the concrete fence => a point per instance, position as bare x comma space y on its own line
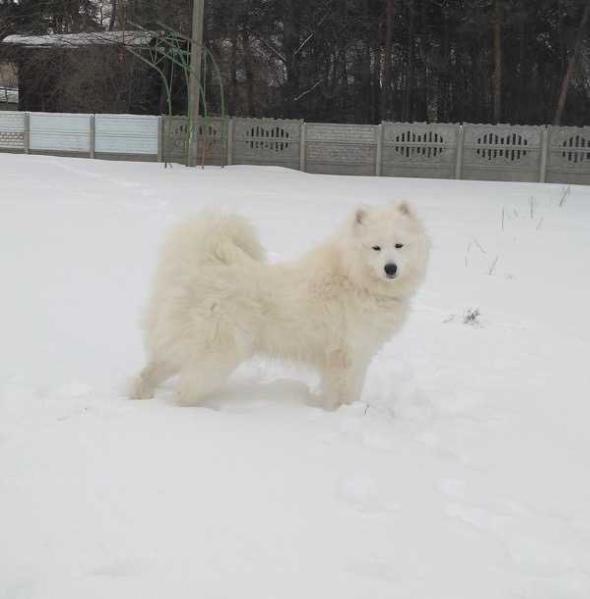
468, 151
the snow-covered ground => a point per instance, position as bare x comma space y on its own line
464, 473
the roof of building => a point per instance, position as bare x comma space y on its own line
75, 40
8, 95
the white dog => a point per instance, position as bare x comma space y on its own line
217, 302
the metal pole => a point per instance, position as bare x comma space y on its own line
302, 147
544, 153
379, 154
195, 77
459, 152
230, 141
92, 150
27, 136
160, 156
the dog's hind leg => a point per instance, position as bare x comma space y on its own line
204, 375
153, 375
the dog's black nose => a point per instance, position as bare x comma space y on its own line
390, 269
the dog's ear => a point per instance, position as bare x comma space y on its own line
405, 209
360, 216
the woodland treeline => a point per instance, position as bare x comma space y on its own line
364, 61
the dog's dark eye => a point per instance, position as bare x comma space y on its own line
399, 246
377, 248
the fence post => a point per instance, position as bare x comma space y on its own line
230, 141
379, 153
544, 153
92, 136
302, 148
160, 134
459, 152
27, 133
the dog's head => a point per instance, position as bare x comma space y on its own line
390, 248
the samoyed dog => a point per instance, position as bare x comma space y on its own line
217, 302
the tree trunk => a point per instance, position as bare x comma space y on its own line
113, 18
386, 95
233, 81
291, 41
571, 64
407, 112
377, 69
445, 101
497, 76
249, 74
525, 78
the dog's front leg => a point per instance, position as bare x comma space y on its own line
342, 382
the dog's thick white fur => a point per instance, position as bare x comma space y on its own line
216, 302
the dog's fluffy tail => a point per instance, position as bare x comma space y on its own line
216, 239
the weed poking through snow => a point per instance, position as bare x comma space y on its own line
471, 317
566, 192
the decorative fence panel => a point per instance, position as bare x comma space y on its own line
569, 155
341, 149
60, 133
211, 140
12, 131
119, 136
502, 153
174, 139
488, 152
419, 150
266, 142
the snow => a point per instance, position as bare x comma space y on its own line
464, 471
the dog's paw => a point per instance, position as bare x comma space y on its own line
139, 390
328, 403
186, 400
